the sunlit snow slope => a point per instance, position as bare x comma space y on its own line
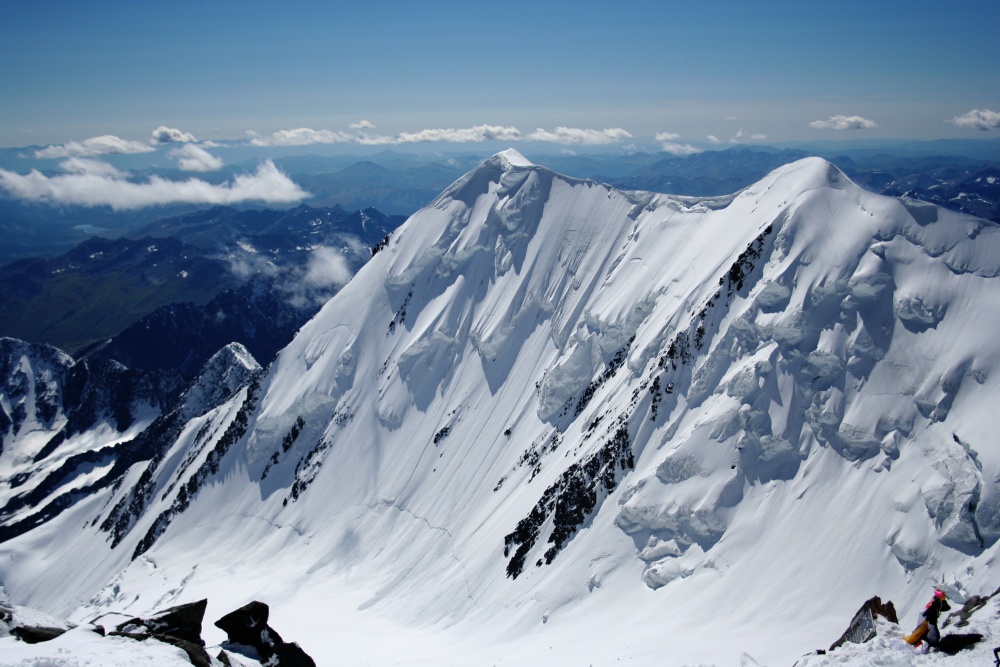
555, 423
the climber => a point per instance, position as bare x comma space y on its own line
928, 628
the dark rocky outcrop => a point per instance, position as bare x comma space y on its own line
182, 622
250, 635
953, 643
179, 626
862, 627
34, 634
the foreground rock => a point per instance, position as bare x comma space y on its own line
179, 626
862, 627
251, 636
141, 639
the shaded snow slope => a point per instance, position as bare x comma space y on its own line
622, 425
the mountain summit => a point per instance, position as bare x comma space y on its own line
618, 424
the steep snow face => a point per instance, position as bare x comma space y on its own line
548, 411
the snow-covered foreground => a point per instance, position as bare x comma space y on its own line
554, 423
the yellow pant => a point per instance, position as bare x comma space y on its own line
917, 635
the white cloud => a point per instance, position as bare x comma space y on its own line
843, 123
87, 184
82, 165
679, 149
168, 135
576, 135
362, 125
478, 133
670, 145
303, 136
712, 139
102, 145
195, 158
742, 136
978, 119
474, 134
667, 136
327, 268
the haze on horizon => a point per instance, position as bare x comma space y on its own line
567, 73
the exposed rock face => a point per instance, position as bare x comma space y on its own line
862, 626
31, 628
182, 622
179, 626
31, 634
247, 628
249, 634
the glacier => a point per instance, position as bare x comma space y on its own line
551, 421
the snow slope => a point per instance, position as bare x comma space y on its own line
555, 422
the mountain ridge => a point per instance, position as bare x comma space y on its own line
547, 405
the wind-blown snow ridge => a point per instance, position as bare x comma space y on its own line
512, 158
547, 406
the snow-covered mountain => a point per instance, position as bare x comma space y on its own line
555, 423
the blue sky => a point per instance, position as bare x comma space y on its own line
692, 72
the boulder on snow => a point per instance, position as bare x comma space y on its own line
29, 625
34, 634
182, 622
179, 626
247, 628
862, 627
953, 643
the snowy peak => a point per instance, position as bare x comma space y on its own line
808, 174
226, 372
547, 403
512, 159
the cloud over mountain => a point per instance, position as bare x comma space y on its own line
669, 144
840, 122
167, 135
742, 136
92, 183
576, 135
303, 136
82, 165
195, 158
102, 145
978, 119
475, 134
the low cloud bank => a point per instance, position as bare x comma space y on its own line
195, 158
978, 119
327, 268
303, 136
742, 136
95, 183
169, 135
103, 145
843, 123
669, 144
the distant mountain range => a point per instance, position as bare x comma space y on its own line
195, 267
397, 183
